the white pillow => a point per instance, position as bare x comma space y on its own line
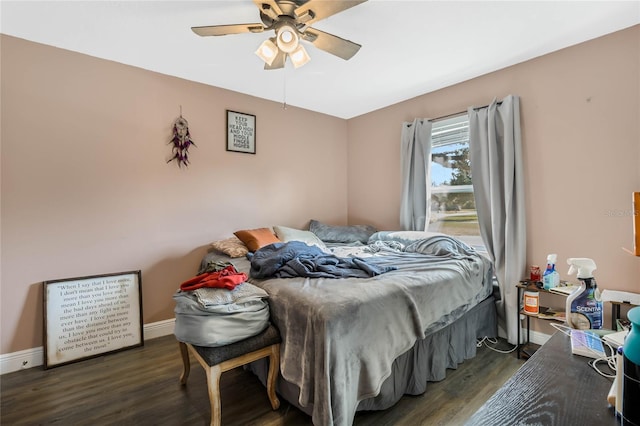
291, 234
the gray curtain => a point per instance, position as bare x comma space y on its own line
415, 162
496, 165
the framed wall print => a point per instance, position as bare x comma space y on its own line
635, 212
241, 132
90, 316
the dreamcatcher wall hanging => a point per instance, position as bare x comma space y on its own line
181, 142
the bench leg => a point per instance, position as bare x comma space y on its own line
213, 380
214, 372
186, 364
274, 368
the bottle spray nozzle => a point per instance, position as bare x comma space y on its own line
583, 265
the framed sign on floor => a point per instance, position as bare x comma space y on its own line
89, 316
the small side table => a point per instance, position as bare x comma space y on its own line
615, 312
526, 285
523, 286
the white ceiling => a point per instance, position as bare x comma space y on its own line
408, 47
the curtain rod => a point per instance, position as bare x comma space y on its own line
459, 113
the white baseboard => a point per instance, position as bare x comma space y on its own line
159, 329
21, 360
537, 337
34, 357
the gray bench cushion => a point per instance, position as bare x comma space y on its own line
216, 355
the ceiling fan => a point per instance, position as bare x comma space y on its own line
291, 20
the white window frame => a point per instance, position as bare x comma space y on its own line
447, 131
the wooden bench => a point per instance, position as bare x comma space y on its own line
216, 360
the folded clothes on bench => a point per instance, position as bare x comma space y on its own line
227, 278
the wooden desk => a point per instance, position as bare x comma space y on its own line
554, 387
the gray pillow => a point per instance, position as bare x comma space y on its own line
342, 234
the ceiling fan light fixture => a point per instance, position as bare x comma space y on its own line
299, 56
287, 38
267, 51
291, 21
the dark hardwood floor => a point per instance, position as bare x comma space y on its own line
141, 386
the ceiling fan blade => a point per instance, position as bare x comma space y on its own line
278, 61
315, 10
220, 30
330, 43
269, 8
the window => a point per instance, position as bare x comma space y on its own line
453, 207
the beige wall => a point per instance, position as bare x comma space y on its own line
580, 110
86, 190
85, 187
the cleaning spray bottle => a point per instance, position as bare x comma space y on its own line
551, 277
584, 305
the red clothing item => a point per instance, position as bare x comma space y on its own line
227, 278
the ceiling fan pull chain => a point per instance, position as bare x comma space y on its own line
284, 87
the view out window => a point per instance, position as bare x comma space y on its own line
453, 208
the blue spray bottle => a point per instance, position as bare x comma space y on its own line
551, 277
584, 305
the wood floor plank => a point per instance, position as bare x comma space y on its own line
141, 386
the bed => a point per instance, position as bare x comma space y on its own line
351, 344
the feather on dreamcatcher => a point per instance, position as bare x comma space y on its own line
181, 142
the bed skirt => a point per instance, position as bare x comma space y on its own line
426, 361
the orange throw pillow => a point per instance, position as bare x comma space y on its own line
256, 238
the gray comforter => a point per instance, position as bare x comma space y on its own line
340, 336
297, 259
